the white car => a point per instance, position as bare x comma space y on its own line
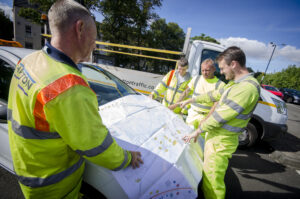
171, 169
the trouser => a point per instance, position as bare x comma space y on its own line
217, 151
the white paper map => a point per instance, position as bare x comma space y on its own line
171, 169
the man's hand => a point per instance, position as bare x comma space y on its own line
186, 102
173, 106
136, 159
194, 135
151, 96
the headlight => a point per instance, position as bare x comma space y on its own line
296, 97
280, 105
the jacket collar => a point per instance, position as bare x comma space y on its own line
59, 56
243, 78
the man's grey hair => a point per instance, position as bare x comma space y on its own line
64, 13
209, 62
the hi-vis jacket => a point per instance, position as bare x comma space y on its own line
199, 85
53, 124
173, 91
235, 107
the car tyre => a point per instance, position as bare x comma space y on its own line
248, 137
289, 100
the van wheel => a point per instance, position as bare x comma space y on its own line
248, 137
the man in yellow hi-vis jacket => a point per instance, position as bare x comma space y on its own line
53, 117
201, 84
232, 114
173, 84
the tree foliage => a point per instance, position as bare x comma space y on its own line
131, 22
167, 36
6, 31
38, 7
127, 22
287, 78
203, 37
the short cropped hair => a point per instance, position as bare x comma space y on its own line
64, 13
209, 61
233, 53
183, 62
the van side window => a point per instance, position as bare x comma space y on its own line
6, 72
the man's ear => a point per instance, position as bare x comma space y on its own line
79, 26
233, 64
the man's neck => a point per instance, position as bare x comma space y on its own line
65, 47
241, 73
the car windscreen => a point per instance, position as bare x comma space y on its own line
106, 86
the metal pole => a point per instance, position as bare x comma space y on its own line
45, 31
187, 40
268, 62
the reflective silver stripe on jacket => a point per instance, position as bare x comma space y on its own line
196, 82
218, 118
211, 97
201, 106
171, 88
222, 91
218, 84
99, 149
196, 94
123, 163
164, 84
29, 132
156, 92
40, 182
174, 89
233, 128
233, 105
168, 102
244, 116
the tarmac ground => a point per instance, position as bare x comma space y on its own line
287, 147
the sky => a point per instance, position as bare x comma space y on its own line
249, 24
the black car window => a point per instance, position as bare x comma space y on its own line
106, 86
6, 72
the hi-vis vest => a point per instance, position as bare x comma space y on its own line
199, 85
172, 91
235, 107
53, 124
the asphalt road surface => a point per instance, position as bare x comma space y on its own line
252, 173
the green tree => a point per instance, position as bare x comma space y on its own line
203, 37
37, 7
168, 36
287, 78
127, 22
6, 31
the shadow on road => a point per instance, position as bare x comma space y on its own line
248, 168
287, 143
